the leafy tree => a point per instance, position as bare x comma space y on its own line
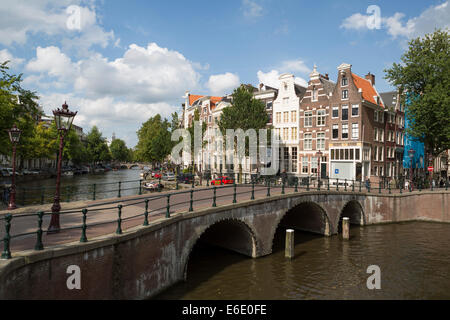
119, 150
175, 122
17, 106
154, 143
96, 149
245, 113
424, 75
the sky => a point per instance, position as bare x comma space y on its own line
119, 63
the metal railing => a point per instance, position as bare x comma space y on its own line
163, 205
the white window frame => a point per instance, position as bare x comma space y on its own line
321, 114
335, 108
309, 139
309, 118
357, 107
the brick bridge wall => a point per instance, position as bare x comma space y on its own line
146, 260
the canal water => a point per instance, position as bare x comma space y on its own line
80, 187
413, 257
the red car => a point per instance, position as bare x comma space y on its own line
222, 180
157, 175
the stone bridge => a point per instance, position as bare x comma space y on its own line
143, 261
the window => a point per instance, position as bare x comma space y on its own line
346, 154
380, 151
344, 81
376, 171
308, 141
356, 154
270, 117
308, 119
269, 104
210, 119
375, 134
332, 154
286, 116
335, 113
381, 135
314, 165
355, 131
344, 113
304, 164
375, 153
351, 154
320, 141
277, 132
381, 117
355, 110
345, 131
278, 117
344, 94
294, 159
315, 94
320, 117
294, 116
375, 115
286, 158
286, 101
294, 133
204, 109
335, 131
285, 133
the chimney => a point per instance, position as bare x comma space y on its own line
261, 85
326, 76
371, 78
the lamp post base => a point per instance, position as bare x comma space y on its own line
12, 206
54, 222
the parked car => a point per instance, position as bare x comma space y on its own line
153, 186
169, 176
222, 180
156, 175
185, 178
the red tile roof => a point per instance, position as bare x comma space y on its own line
195, 97
368, 91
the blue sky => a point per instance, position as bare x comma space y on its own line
118, 63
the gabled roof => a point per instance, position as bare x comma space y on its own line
389, 98
193, 98
299, 90
368, 91
328, 85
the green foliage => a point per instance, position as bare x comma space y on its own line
424, 75
154, 140
17, 106
119, 150
96, 148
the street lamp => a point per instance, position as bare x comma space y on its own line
319, 155
63, 120
411, 156
14, 137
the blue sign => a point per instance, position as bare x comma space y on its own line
336, 171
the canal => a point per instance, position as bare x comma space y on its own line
80, 187
413, 258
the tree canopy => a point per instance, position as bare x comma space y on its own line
96, 148
119, 150
424, 77
154, 143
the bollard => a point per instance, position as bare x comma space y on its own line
168, 206
214, 197
84, 227
307, 184
191, 207
178, 188
337, 184
146, 213
359, 185
93, 198
389, 188
253, 191
6, 254
118, 196
345, 228
289, 245
328, 184
379, 187
345, 184
234, 192
268, 187
119, 220
140, 186
353, 186
193, 182
39, 245
318, 185
296, 186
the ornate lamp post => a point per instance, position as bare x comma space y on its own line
63, 120
411, 156
14, 137
319, 156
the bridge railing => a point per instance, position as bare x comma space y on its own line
26, 231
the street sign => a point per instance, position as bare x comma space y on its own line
430, 169
336, 171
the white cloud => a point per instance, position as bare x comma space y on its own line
251, 9
434, 17
221, 84
22, 18
5, 55
53, 62
271, 79
294, 66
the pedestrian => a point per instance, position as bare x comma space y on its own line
367, 183
433, 183
407, 185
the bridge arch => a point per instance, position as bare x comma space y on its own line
354, 211
232, 234
304, 216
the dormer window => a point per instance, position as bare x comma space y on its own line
344, 94
315, 94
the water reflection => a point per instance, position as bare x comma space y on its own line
413, 258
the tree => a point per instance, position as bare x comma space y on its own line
17, 106
96, 149
424, 77
119, 150
154, 143
245, 113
